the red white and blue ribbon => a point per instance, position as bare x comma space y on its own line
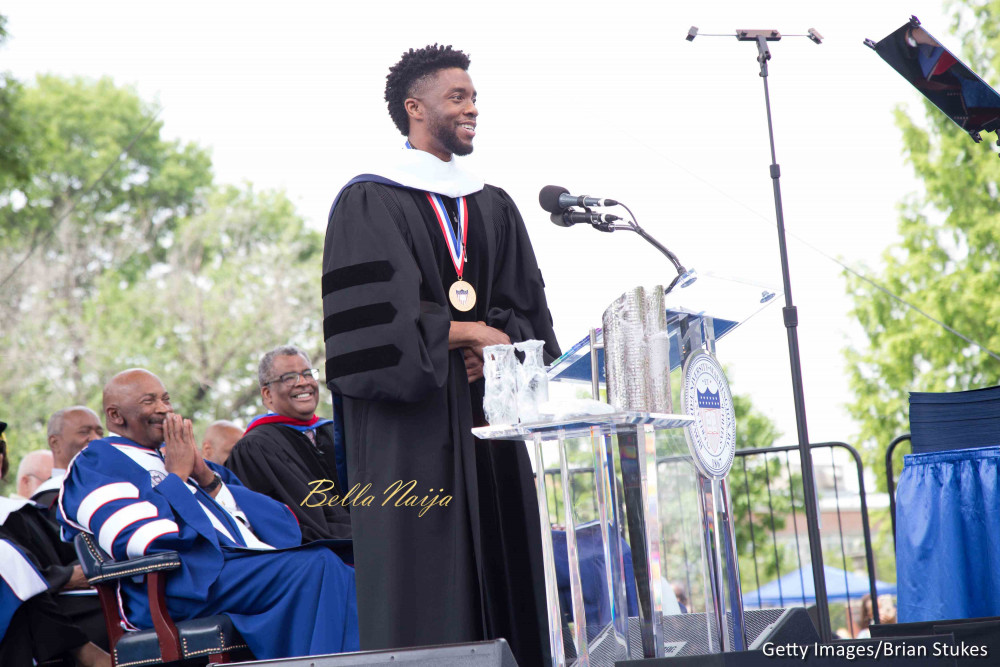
297, 424
455, 241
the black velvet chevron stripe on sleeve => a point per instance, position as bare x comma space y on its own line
368, 359
358, 318
379, 271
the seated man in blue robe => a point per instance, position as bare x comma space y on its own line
592, 577
146, 490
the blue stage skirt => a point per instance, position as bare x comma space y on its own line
948, 535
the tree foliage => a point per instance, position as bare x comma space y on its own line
88, 209
766, 491
238, 279
15, 157
117, 250
946, 263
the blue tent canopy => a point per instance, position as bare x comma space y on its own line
797, 588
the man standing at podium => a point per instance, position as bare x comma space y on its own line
424, 265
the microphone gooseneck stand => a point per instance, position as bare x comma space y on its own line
560, 203
684, 276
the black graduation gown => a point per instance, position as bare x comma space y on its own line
71, 620
280, 462
40, 631
30, 528
472, 569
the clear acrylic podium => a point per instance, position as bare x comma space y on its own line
613, 637
610, 642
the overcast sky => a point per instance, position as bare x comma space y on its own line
603, 98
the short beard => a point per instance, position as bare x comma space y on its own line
457, 148
449, 140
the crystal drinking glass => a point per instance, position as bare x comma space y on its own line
500, 372
532, 380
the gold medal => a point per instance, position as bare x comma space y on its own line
462, 296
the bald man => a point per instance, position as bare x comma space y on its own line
147, 490
69, 431
220, 437
35, 468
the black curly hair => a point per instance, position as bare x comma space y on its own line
415, 65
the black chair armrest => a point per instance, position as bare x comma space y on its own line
99, 567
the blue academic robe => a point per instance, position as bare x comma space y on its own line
20, 580
134, 509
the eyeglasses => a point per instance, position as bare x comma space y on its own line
292, 378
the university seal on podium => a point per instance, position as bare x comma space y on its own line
705, 396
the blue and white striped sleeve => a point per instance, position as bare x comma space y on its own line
20, 580
108, 496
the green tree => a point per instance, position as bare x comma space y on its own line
104, 177
766, 491
15, 156
238, 279
127, 255
104, 192
945, 263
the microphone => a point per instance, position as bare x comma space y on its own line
553, 199
569, 218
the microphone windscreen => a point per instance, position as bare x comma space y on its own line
548, 198
559, 219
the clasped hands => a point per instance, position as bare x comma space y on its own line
180, 453
472, 337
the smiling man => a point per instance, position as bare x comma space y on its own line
146, 490
424, 265
285, 450
69, 431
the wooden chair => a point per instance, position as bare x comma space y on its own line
212, 637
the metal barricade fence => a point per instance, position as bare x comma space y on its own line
766, 488
890, 479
